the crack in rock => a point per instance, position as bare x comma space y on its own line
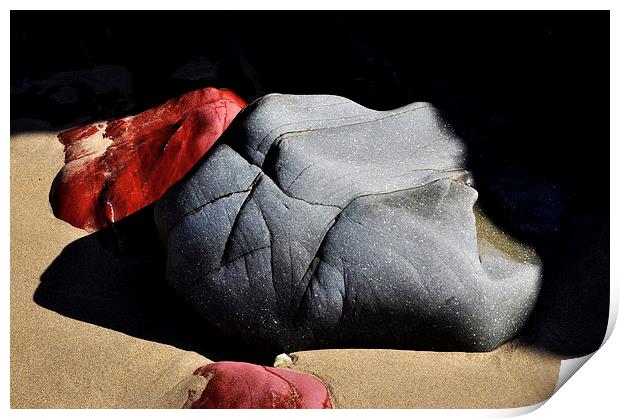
371, 227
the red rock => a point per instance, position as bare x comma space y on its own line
117, 168
248, 386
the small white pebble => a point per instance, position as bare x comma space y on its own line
283, 361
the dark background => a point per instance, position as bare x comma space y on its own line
527, 91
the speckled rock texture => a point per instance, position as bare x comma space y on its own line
240, 385
118, 167
320, 223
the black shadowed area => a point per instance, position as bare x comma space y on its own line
528, 92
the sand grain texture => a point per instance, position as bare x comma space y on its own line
511, 376
58, 362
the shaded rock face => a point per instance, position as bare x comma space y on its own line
116, 168
239, 385
321, 223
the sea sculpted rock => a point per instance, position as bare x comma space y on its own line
240, 385
320, 223
116, 168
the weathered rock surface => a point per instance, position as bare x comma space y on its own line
321, 223
240, 385
116, 168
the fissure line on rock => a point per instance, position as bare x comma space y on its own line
177, 126
285, 192
201, 206
307, 276
205, 275
309, 273
271, 264
293, 392
299, 175
333, 126
251, 189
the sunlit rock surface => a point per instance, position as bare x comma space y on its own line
116, 168
241, 385
320, 223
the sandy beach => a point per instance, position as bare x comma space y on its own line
56, 361
63, 359
511, 376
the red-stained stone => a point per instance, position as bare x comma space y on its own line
239, 385
117, 168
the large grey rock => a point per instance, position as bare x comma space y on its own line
320, 223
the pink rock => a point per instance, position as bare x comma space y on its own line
248, 386
117, 168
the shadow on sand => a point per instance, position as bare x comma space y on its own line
115, 278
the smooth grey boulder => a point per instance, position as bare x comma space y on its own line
320, 223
